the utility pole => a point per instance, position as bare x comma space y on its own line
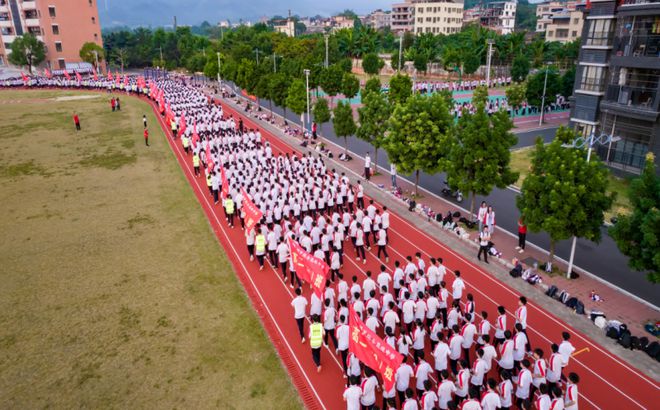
400, 49
219, 83
545, 84
306, 71
275, 62
256, 50
325, 36
489, 57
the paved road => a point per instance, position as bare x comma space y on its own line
528, 138
603, 259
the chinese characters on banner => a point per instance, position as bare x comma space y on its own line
252, 214
309, 268
372, 350
225, 184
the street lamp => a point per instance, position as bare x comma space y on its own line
400, 49
325, 36
545, 84
580, 143
306, 71
256, 50
275, 62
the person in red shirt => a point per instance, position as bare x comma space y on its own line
146, 137
522, 234
76, 121
112, 103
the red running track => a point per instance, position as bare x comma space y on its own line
606, 381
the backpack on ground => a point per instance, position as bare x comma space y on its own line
563, 296
579, 308
625, 339
552, 290
571, 302
634, 343
643, 342
612, 333
653, 349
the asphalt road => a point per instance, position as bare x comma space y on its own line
601, 259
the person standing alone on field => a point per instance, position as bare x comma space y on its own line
367, 167
146, 137
76, 121
484, 238
144, 120
522, 234
113, 104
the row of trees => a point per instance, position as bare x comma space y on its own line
27, 50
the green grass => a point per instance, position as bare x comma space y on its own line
522, 158
115, 293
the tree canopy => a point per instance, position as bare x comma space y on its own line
343, 122
321, 111
27, 50
564, 195
373, 116
400, 88
638, 235
372, 64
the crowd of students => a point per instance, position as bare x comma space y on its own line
454, 354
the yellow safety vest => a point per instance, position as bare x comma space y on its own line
195, 160
184, 140
316, 338
229, 206
173, 125
260, 243
208, 179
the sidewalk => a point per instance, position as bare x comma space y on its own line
616, 305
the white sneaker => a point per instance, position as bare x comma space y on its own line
521, 251
517, 247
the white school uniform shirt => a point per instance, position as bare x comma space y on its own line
557, 404
478, 371
382, 237
462, 382
565, 350
490, 354
429, 398
299, 304
408, 309
468, 332
490, 401
440, 354
369, 391
410, 404
367, 286
390, 319
446, 389
500, 326
519, 342
523, 383
505, 390
422, 372
506, 354
472, 404
521, 316
383, 279
571, 396
457, 288
385, 220
316, 305
329, 318
352, 396
543, 402
342, 290
540, 368
283, 252
455, 347
342, 333
372, 323
402, 377
553, 371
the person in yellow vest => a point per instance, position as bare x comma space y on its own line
316, 340
229, 210
260, 246
196, 163
209, 182
185, 141
173, 126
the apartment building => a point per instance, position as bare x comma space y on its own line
63, 25
402, 17
545, 11
379, 19
499, 16
565, 26
617, 85
438, 17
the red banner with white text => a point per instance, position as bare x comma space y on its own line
309, 268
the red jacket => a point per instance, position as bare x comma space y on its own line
76, 120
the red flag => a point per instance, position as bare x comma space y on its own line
195, 136
182, 124
117, 78
25, 78
47, 73
372, 350
78, 76
225, 183
66, 74
96, 77
252, 214
309, 268
110, 75
125, 81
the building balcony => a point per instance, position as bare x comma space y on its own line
632, 3
637, 102
29, 5
32, 22
8, 38
5, 23
638, 46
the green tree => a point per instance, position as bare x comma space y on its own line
89, 51
418, 133
479, 156
262, 90
296, 98
27, 50
331, 80
394, 61
638, 235
350, 85
279, 89
321, 111
371, 86
343, 122
372, 64
211, 69
564, 195
515, 94
520, 68
471, 62
400, 88
534, 92
421, 61
567, 82
373, 116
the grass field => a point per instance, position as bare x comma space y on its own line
115, 293
522, 158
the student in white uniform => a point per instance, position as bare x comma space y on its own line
299, 304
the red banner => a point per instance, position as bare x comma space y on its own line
47, 73
66, 74
25, 78
252, 213
78, 76
372, 350
309, 268
96, 77
110, 75
182, 124
225, 183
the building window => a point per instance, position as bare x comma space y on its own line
93, 20
576, 20
61, 63
96, 36
56, 29
51, 11
58, 46
551, 33
574, 34
592, 79
599, 33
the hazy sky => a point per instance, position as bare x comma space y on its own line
190, 12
